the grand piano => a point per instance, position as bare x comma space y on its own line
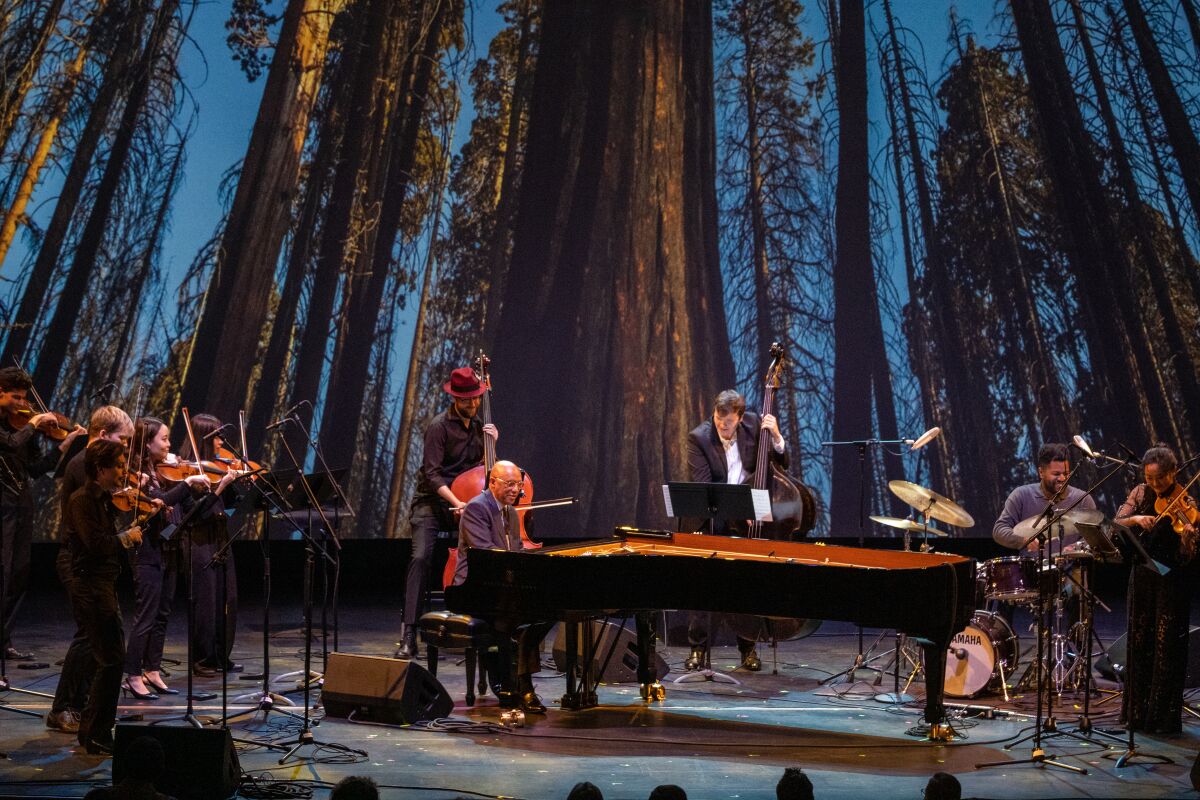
928, 596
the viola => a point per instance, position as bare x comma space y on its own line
21, 417
469, 484
1179, 507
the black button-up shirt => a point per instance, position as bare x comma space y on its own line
451, 449
92, 528
21, 458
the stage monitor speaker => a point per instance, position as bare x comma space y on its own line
616, 653
1111, 663
382, 690
201, 762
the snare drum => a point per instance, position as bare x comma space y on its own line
1010, 579
976, 655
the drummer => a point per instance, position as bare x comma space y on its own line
1030, 501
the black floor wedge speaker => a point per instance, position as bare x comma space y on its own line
389, 690
201, 763
1111, 663
616, 653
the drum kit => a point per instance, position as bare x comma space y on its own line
986, 654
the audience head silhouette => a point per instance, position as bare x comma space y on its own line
355, 787
585, 791
794, 785
943, 786
668, 791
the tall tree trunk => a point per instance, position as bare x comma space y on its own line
15, 213
18, 82
612, 331
500, 240
1121, 358
239, 296
364, 126
1193, 23
70, 300
1176, 341
1178, 125
857, 327
764, 329
347, 380
116, 78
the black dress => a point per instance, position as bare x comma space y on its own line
1158, 625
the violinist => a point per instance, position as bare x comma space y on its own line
21, 460
453, 444
489, 521
156, 562
209, 534
107, 423
724, 449
95, 543
1159, 604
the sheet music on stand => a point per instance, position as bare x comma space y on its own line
716, 501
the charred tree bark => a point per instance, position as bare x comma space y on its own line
347, 380
1121, 358
18, 82
615, 258
238, 297
1181, 359
116, 78
1175, 119
857, 327
62, 324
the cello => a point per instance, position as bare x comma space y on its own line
469, 484
793, 514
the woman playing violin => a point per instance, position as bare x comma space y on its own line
21, 460
208, 535
1159, 604
156, 562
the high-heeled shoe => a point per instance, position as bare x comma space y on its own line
161, 688
127, 689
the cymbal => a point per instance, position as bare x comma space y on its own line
1069, 522
932, 504
907, 525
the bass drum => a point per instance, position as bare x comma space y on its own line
981, 656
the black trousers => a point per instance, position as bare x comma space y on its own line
97, 601
154, 593
16, 540
1158, 649
426, 525
79, 666
698, 631
211, 606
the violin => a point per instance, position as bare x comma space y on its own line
229, 460
177, 470
1179, 507
22, 416
130, 499
469, 484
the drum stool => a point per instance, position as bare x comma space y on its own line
445, 629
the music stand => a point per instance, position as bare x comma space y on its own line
713, 501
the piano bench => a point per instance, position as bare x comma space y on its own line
444, 629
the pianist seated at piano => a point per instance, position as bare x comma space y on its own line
490, 522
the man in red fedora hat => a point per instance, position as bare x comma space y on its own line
453, 445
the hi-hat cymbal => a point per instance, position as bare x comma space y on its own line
932, 504
1086, 516
907, 525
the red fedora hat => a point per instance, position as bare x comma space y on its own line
463, 384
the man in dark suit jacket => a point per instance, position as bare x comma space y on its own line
724, 449
489, 521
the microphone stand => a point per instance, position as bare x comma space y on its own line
861, 657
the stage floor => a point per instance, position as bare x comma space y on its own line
715, 740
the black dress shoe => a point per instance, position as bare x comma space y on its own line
750, 661
531, 703
201, 670
508, 698
696, 660
408, 644
98, 748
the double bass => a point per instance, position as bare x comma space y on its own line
793, 514
469, 484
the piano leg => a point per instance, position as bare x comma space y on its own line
935, 678
570, 698
648, 678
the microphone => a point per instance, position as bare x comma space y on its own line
1078, 441
208, 436
279, 423
288, 415
101, 394
925, 438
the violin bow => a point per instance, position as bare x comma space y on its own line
187, 423
242, 432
